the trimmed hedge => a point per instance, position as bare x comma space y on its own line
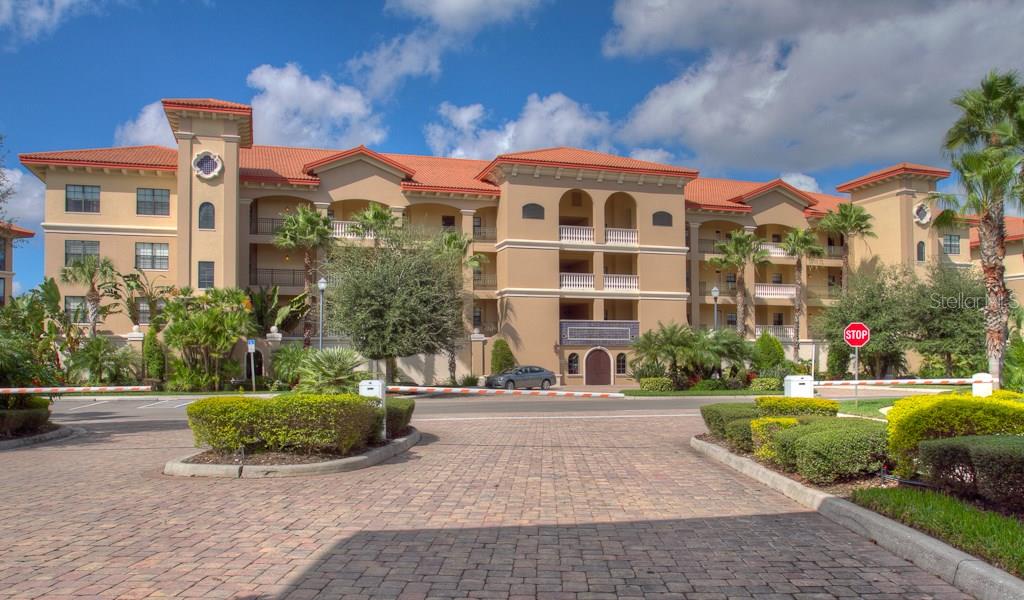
708, 385
915, 419
737, 434
399, 415
302, 423
25, 421
838, 452
990, 466
775, 406
656, 384
785, 441
716, 416
762, 432
766, 384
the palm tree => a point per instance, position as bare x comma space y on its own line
374, 222
850, 221
665, 346
137, 286
97, 274
309, 231
800, 243
990, 114
742, 248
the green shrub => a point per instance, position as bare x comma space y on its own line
915, 419
1004, 394
737, 434
766, 384
946, 464
100, 362
656, 384
331, 370
286, 362
302, 423
716, 416
708, 385
502, 358
34, 415
838, 363
642, 369
153, 358
773, 406
785, 440
399, 415
840, 452
990, 466
762, 433
768, 352
470, 380
186, 379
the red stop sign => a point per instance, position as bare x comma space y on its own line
856, 334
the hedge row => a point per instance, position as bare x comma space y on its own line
989, 467
772, 406
399, 415
25, 421
656, 384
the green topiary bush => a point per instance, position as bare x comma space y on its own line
329, 371
785, 440
772, 406
705, 385
502, 358
737, 434
946, 464
840, 451
915, 419
153, 357
990, 466
716, 416
33, 416
766, 384
768, 352
838, 364
762, 433
656, 384
399, 415
302, 423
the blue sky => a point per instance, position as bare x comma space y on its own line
819, 91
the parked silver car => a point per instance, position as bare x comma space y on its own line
522, 377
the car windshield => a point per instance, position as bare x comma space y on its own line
510, 371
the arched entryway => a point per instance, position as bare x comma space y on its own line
598, 368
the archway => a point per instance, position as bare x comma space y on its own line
598, 368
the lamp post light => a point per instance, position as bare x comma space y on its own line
714, 294
321, 285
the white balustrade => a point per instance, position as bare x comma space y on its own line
576, 281
348, 229
775, 290
774, 249
782, 332
620, 237
576, 234
621, 282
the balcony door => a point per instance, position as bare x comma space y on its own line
598, 368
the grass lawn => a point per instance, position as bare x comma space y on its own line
639, 392
993, 537
866, 407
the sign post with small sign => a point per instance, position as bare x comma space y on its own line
856, 335
251, 347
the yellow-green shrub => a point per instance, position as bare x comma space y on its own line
762, 432
656, 384
772, 406
1005, 394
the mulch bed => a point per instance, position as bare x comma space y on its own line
44, 429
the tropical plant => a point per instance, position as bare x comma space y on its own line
308, 231
502, 358
133, 287
768, 353
99, 277
375, 222
268, 312
331, 370
949, 319
286, 362
801, 244
742, 248
849, 221
154, 359
456, 244
684, 354
100, 362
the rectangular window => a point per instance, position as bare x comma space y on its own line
777, 319
151, 256
82, 198
205, 274
478, 221
447, 222
776, 238
76, 250
74, 308
3, 291
3, 255
143, 307
730, 319
951, 244
478, 316
150, 201
776, 277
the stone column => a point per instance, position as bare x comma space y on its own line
598, 219
244, 205
694, 274
598, 268
598, 309
399, 213
183, 208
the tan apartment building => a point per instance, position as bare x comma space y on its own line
9, 234
584, 249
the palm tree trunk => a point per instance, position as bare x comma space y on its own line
992, 234
92, 301
741, 302
846, 262
798, 309
307, 288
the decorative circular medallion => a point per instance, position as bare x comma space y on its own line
922, 214
207, 165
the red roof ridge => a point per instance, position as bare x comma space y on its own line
902, 168
360, 149
99, 148
774, 183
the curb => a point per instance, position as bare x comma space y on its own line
179, 468
971, 575
62, 432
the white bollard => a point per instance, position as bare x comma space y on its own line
798, 386
374, 388
982, 385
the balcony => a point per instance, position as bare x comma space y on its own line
707, 246
834, 251
279, 277
598, 333
348, 230
265, 226
485, 234
488, 328
620, 237
576, 281
775, 250
575, 234
621, 283
774, 290
725, 288
485, 281
782, 332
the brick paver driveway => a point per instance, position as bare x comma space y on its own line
545, 508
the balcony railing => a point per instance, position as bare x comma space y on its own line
485, 281
782, 332
621, 282
265, 226
600, 333
285, 277
620, 237
487, 328
348, 230
834, 251
576, 281
485, 234
725, 288
775, 290
576, 234
774, 249
707, 246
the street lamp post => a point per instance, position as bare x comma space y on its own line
714, 294
321, 285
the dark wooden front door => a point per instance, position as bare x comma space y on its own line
599, 368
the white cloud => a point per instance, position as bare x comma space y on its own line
27, 20
290, 108
813, 85
658, 155
149, 128
554, 120
448, 24
802, 181
25, 206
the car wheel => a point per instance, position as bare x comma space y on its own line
544, 385
511, 385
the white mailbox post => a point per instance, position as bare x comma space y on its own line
374, 388
982, 385
798, 386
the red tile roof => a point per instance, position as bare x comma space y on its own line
438, 174
711, 193
360, 149
206, 104
564, 156
1014, 230
128, 157
280, 164
15, 231
903, 168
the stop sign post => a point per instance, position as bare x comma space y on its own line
855, 335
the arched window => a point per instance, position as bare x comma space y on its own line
574, 364
662, 219
920, 252
206, 220
620, 364
533, 211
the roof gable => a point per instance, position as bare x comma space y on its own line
358, 153
903, 168
574, 158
